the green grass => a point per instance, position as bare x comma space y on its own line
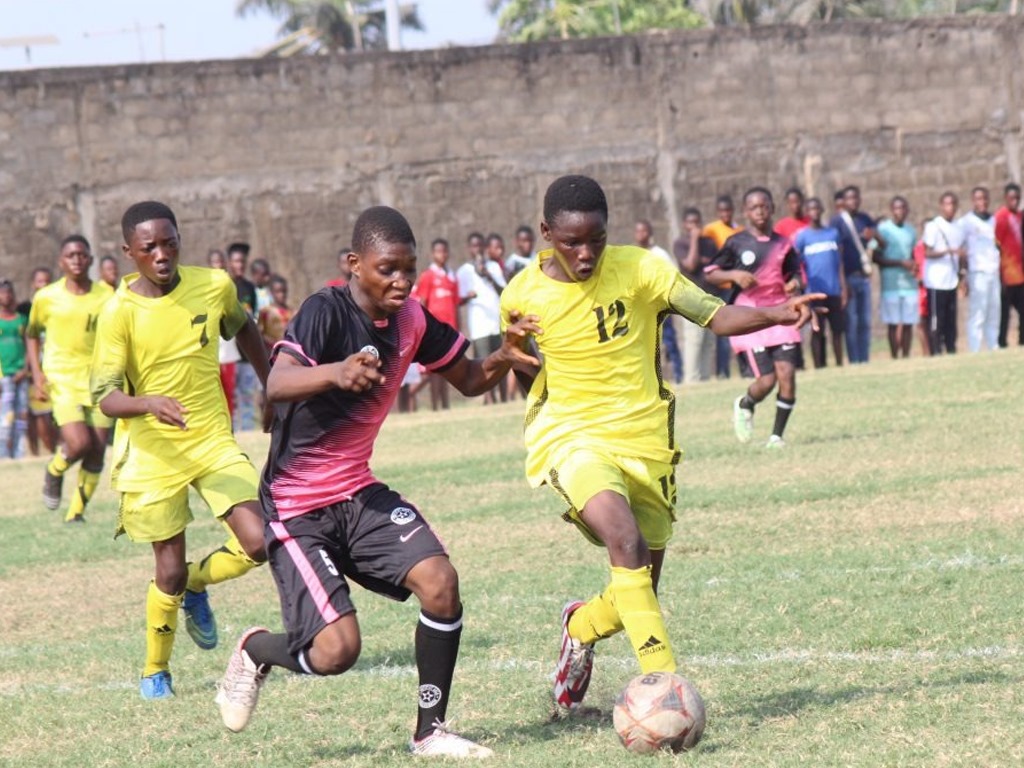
851, 601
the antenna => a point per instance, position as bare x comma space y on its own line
136, 29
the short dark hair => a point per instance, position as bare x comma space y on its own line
814, 200
979, 189
41, 270
107, 258
378, 225
525, 229
474, 236
495, 236
1011, 187
851, 188
691, 211
758, 191
260, 264
575, 193
949, 193
898, 199
794, 191
239, 247
724, 200
645, 223
5, 283
147, 210
277, 280
839, 195
438, 241
75, 239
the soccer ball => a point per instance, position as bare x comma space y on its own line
658, 711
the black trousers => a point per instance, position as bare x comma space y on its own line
942, 320
1013, 296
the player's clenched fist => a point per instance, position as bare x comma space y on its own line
359, 372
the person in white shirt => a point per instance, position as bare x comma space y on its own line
643, 236
945, 268
983, 287
480, 285
522, 254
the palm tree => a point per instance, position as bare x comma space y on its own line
521, 20
333, 25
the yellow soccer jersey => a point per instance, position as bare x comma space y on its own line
600, 385
168, 346
69, 322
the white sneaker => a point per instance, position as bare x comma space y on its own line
239, 691
443, 743
775, 443
742, 421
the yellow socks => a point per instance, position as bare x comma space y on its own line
161, 622
637, 605
228, 562
87, 482
595, 620
58, 464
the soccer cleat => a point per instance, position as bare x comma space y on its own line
775, 443
53, 485
156, 686
575, 664
742, 421
239, 690
443, 743
199, 620
75, 519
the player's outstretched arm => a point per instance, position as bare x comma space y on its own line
290, 380
119, 405
731, 320
475, 377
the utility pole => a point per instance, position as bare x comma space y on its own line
393, 19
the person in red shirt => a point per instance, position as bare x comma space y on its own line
438, 291
1011, 264
344, 272
788, 226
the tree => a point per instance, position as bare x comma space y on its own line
334, 25
522, 20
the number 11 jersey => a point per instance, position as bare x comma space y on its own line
168, 346
600, 386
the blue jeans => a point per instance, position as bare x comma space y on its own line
668, 341
858, 318
13, 417
247, 398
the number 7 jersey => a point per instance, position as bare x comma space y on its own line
600, 386
168, 346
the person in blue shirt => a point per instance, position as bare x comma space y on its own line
856, 231
822, 262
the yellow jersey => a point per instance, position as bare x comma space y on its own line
718, 231
600, 384
69, 322
168, 346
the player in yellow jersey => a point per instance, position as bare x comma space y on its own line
599, 420
66, 312
155, 366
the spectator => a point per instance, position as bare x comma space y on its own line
260, 271
822, 264
693, 253
109, 271
275, 316
944, 271
227, 350
1011, 263
247, 386
722, 228
856, 231
41, 426
797, 219
438, 291
480, 285
344, 271
14, 375
922, 295
983, 288
643, 236
523, 254
899, 275
496, 250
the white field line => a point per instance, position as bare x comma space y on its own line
783, 656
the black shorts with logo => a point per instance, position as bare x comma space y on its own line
374, 539
762, 360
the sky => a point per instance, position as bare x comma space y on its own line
129, 31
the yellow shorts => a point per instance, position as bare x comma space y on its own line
162, 514
649, 487
69, 407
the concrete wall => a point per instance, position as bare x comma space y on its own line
285, 153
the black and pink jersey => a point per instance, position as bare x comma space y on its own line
320, 448
773, 262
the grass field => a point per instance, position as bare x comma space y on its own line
854, 600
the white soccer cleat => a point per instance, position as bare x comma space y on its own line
575, 665
742, 421
239, 690
775, 443
443, 743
